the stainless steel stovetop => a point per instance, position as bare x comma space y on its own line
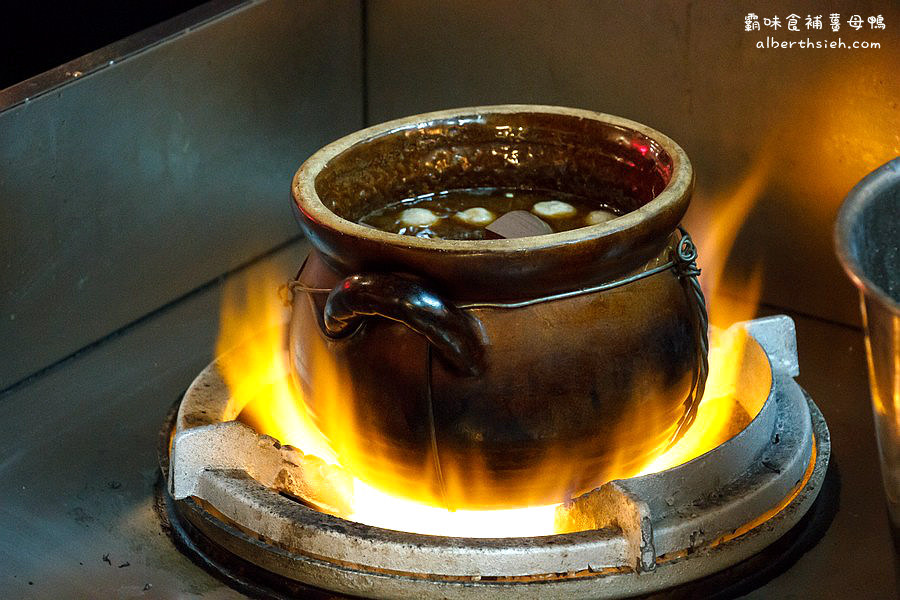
79, 465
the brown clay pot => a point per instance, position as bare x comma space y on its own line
474, 374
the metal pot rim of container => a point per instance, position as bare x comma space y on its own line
869, 190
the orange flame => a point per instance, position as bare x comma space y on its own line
254, 362
729, 297
723, 410
729, 403
251, 349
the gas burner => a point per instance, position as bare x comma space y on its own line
231, 496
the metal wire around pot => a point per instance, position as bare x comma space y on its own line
683, 262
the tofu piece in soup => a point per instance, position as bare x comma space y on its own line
417, 217
476, 216
596, 217
553, 209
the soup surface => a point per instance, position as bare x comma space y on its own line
464, 214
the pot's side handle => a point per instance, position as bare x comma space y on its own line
455, 335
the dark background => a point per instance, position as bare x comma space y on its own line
41, 35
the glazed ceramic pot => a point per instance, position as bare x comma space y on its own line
498, 373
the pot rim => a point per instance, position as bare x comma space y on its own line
307, 200
863, 193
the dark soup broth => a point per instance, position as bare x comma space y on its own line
464, 214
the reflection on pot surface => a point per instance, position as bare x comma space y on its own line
502, 372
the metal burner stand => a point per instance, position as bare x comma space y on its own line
646, 534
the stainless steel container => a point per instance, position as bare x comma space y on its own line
867, 236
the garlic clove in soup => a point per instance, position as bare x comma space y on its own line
477, 216
417, 217
553, 209
595, 217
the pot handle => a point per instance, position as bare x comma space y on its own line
455, 335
